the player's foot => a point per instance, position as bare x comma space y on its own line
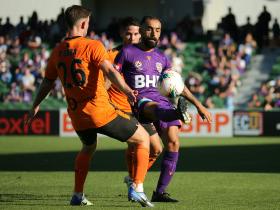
182, 109
162, 197
139, 197
128, 181
80, 201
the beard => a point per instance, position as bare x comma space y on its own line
150, 42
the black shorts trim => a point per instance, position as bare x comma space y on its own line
150, 128
88, 137
119, 128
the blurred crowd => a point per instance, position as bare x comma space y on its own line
217, 81
267, 97
25, 49
24, 52
227, 57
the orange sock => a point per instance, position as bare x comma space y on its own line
82, 163
129, 154
141, 158
152, 160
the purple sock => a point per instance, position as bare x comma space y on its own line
168, 167
166, 115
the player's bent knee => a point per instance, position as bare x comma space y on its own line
159, 151
89, 149
155, 154
156, 150
173, 145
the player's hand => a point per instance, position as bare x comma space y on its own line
131, 96
205, 114
32, 112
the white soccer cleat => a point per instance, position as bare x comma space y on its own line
83, 201
139, 197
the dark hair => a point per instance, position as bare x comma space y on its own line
75, 13
149, 17
129, 21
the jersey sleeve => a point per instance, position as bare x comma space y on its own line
51, 71
119, 60
98, 53
112, 55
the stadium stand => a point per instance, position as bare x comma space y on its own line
267, 95
213, 70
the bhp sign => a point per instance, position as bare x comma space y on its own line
221, 125
65, 124
12, 123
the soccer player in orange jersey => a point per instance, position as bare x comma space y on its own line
129, 31
80, 64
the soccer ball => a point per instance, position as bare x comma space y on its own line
170, 84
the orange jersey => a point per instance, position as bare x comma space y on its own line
76, 62
118, 98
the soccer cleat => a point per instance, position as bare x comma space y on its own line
139, 197
182, 109
163, 197
83, 201
128, 181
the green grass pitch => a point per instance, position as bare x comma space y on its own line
212, 174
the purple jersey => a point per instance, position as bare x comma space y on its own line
141, 69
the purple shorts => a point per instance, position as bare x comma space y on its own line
164, 103
160, 125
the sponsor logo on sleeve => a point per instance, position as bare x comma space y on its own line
159, 67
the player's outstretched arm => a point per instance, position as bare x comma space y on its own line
203, 112
43, 91
115, 77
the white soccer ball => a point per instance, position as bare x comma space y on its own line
170, 84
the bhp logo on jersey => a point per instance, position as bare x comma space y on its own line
142, 81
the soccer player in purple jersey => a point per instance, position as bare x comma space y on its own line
130, 33
141, 66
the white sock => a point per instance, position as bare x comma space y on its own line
139, 187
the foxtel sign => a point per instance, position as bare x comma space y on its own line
44, 123
221, 125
